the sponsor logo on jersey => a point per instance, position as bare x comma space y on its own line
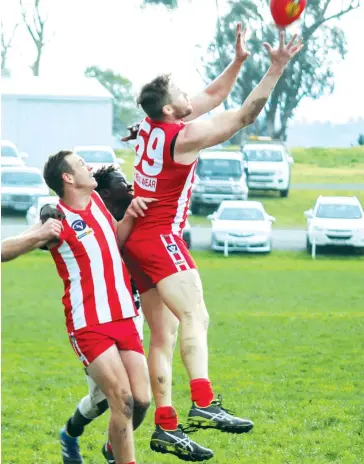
81, 229
78, 225
146, 183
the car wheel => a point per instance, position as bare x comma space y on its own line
308, 246
284, 193
195, 208
359, 250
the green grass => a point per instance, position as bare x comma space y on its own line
311, 174
286, 350
329, 157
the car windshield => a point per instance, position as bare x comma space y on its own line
21, 178
338, 211
96, 156
241, 214
264, 155
222, 168
8, 152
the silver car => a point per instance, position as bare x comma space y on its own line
10, 155
21, 186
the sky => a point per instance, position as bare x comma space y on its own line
140, 43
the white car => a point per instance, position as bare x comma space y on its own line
10, 155
243, 226
33, 213
97, 156
21, 186
335, 221
268, 165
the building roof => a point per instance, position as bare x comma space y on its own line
38, 87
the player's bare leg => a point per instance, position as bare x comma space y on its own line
182, 293
168, 437
137, 370
136, 367
111, 376
164, 332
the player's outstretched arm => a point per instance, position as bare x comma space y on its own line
220, 88
137, 208
35, 237
203, 134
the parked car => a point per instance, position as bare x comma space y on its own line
244, 225
337, 221
219, 176
267, 164
10, 155
97, 156
33, 212
21, 186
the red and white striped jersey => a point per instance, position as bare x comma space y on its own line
97, 285
156, 175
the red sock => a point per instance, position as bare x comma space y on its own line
201, 392
166, 417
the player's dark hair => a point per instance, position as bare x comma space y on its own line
103, 177
55, 166
154, 95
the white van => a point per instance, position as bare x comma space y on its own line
267, 164
220, 176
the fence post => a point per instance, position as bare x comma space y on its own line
226, 245
313, 248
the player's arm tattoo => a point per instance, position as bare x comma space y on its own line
254, 110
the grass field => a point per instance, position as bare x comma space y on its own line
286, 350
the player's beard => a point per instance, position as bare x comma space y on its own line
180, 113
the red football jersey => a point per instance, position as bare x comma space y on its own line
97, 286
157, 175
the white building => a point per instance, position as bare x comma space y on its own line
42, 116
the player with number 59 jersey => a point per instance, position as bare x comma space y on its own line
157, 175
155, 248
168, 144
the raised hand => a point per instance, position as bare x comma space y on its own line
241, 51
281, 56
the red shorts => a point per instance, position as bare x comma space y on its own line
88, 343
152, 259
